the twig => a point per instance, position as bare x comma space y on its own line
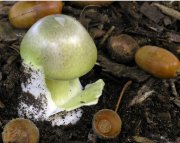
107, 35
168, 11
83, 20
15, 49
122, 93
88, 6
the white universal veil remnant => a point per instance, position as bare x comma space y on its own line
59, 50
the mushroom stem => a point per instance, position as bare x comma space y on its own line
68, 95
63, 91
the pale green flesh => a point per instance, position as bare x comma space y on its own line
68, 95
62, 91
64, 51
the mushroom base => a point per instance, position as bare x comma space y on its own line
35, 102
53, 99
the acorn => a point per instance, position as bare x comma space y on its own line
24, 14
157, 61
106, 124
122, 48
20, 131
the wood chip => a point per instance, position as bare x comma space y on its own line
4, 10
164, 99
168, 11
178, 138
167, 21
174, 37
11, 59
151, 12
130, 8
164, 116
140, 139
120, 70
176, 101
6, 32
143, 93
96, 33
141, 98
173, 87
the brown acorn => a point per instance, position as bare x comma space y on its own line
122, 48
106, 124
20, 131
157, 61
24, 14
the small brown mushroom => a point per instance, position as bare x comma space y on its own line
107, 124
20, 131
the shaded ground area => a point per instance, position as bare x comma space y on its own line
153, 114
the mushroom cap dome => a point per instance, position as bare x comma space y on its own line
59, 45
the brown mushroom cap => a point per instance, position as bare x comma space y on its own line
106, 124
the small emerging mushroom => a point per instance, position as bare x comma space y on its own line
20, 131
60, 48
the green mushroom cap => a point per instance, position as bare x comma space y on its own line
60, 46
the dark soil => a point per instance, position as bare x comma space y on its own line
157, 118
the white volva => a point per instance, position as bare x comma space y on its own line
46, 111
